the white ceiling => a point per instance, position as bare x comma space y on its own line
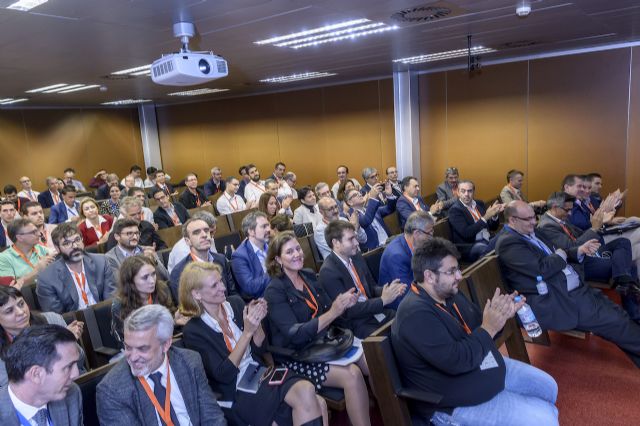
81, 41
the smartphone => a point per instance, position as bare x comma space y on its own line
277, 378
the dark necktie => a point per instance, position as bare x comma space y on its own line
161, 392
41, 418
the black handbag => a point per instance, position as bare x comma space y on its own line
332, 345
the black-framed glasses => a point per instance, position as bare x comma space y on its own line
451, 272
429, 232
525, 219
70, 243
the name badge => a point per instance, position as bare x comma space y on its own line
380, 317
361, 298
488, 362
567, 271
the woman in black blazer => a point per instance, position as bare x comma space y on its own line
227, 334
299, 310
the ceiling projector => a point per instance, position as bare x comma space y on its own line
187, 68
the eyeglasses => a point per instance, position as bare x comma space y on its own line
429, 232
70, 243
525, 219
451, 272
131, 234
34, 232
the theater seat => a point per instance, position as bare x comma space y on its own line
233, 239
100, 345
373, 258
87, 383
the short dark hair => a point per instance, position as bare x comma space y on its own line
7, 202
513, 173
135, 168
335, 231
250, 221
67, 189
62, 231
341, 166
25, 207
229, 179
281, 222
131, 191
241, 168
429, 255
250, 166
154, 191
159, 171
406, 181
592, 176
9, 189
69, 169
151, 171
35, 345
280, 163
14, 227
302, 192
124, 223
569, 180
275, 249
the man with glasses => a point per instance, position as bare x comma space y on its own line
193, 197
77, 279
147, 214
329, 210
445, 345
396, 259
370, 215
346, 270
27, 191
131, 208
566, 303
127, 234
471, 221
26, 258
168, 214
371, 177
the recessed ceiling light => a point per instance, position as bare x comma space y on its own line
9, 101
440, 56
25, 5
197, 92
42, 89
297, 77
141, 70
90, 86
126, 102
63, 88
329, 34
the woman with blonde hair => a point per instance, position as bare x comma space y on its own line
93, 226
228, 336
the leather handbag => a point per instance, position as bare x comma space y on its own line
331, 345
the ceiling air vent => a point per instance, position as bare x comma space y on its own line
422, 14
118, 77
519, 44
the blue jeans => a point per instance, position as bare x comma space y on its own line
528, 398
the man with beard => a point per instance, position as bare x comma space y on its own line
248, 261
76, 280
156, 384
255, 188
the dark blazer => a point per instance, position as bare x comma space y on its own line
59, 214
405, 207
366, 188
220, 259
251, 279
445, 194
66, 412
464, 228
115, 257
56, 289
162, 218
102, 193
521, 262
552, 231
210, 188
580, 215
46, 200
156, 187
3, 237
121, 399
148, 237
189, 201
335, 279
395, 263
375, 210
290, 320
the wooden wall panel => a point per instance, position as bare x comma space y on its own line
433, 130
578, 118
13, 145
387, 125
632, 203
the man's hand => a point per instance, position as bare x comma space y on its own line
286, 201
391, 291
436, 207
354, 220
538, 204
496, 312
493, 210
44, 262
373, 193
589, 248
597, 219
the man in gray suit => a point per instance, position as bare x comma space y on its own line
447, 191
127, 234
133, 393
76, 280
41, 364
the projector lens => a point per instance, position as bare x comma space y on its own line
204, 66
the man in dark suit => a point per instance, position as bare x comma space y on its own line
215, 184
392, 177
447, 191
41, 364
470, 222
197, 234
193, 196
168, 214
371, 180
555, 228
162, 184
370, 215
68, 209
524, 254
76, 280
345, 269
131, 208
248, 261
411, 201
11, 194
134, 392
48, 199
7, 215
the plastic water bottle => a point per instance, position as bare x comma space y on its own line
528, 319
541, 286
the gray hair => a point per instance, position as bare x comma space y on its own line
149, 316
207, 218
215, 169
250, 221
289, 175
558, 198
319, 186
127, 202
417, 221
367, 172
269, 182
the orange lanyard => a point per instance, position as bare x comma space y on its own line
198, 202
358, 282
312, 304
475, 213
226, 331
231, 200
415, 205
22, 255
56, 198
149, 299
81, 282
175, 219
566, 231
460, 320
165, 414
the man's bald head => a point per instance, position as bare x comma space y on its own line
328, 208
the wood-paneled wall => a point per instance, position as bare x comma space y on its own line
546, 117
311, 131
40, 143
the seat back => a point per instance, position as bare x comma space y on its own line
441, 229
295, 203
303, 229
235, 220
98, 342
315, 251
29, 294
309, 259
164, 256
373, 258
393, 224
170, 235
223, 227
214, 199
233, 239
88, 383
200, 209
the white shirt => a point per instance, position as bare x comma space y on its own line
32, 197
321, 242
98, 230
254, 190
76, 285
303, 215
177, 401
28, 411
257, 249
137, 182
227, 204
284, 190
180, 250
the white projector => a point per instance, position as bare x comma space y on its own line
188, 69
